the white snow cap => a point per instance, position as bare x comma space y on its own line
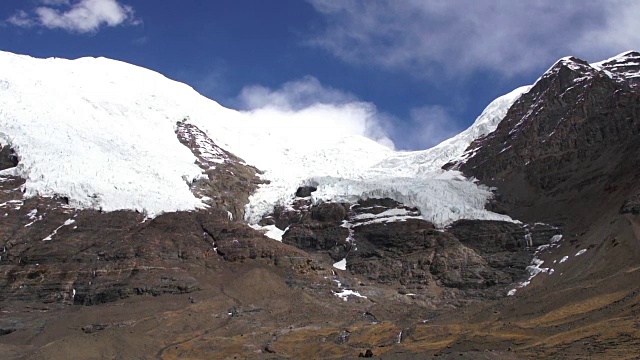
102, 133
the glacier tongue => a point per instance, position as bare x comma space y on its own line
413, 178
102, 133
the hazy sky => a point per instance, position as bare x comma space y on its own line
423, 70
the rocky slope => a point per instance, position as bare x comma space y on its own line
388, 243
571, 141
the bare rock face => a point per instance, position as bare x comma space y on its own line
506, 247
631, 205
53, 254
571, 139
315, 228
388, 243
415, 255
305, 191
8, 158
229, 180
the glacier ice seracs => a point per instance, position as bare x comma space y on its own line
101, 133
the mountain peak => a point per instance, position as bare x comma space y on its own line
625, 65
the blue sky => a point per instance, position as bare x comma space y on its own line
424, 69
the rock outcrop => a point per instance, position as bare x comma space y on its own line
228, 180
54, 254
8, 158
390, 244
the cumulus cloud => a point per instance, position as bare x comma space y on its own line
80, 16
306, 104
620, 31
503, 36
55, 2
22, 19
293, 95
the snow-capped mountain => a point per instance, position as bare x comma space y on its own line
373, 270
102, 133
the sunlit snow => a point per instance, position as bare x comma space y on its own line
341, 265
345, 293
270, 231
102, 134
66, 223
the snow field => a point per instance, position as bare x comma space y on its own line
102, 133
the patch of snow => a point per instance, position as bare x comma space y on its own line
345, 293
10, 171
66, 223
564, 258
32, 214
208, 151
555, 239
386, 213
528, 239
341, 265
536, 264
387, 220
270, 231
15, 204
535, 268
581, 252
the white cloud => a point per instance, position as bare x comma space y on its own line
307, 104
55, 2
80, 16
621, 31
504, 36
293, 95
22, 19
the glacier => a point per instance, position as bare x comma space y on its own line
101, 133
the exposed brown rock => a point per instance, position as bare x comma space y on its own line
229, 180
